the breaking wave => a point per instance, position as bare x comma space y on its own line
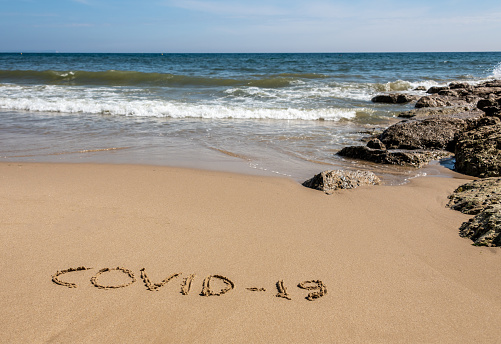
170, 109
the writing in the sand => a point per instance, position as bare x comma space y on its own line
212, 285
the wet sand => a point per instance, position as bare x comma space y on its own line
136, 253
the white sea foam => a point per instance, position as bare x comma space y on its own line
154, 108
240, 103
496, 72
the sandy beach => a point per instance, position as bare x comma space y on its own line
379, 264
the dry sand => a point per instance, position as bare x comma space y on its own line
389, 258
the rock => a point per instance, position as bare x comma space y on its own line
427, 111
491, 106
483, 199
433, 132
474, 197
394, 98
376, 144
464, 85
402, 157
436, 89
485, 228
328, 181
492, 83
478, 151
484, 92
420, 88
431, 101
436, 100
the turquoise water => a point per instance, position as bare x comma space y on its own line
283, 114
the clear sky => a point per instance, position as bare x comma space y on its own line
249, 26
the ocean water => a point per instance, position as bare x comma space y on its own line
271, 114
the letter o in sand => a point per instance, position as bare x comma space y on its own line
129, 273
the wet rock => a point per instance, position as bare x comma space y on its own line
474, 197
485, 228
402, 157
434, 132
328, 181
394, 98
420, 88
478, 151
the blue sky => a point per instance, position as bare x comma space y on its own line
249, 26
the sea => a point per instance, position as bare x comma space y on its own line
280, 114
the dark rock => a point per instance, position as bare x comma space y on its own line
478, 151
394, 98
436, 89
376, 144
328, 181
487, 120
473, 197
402, 157
485, 228
420, 88
491, 106
434, 132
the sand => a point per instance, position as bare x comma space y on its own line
148, 254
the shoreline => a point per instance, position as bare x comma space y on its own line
390, 258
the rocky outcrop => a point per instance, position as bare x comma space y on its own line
402, 157
483, 199
472, 198
434, 132
427, 112
485, 228
328, 181
395, 98
478, 151
452, 95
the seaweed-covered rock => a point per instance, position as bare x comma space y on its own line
485, 228
478, 151
328, 181
472, 198
402, 157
